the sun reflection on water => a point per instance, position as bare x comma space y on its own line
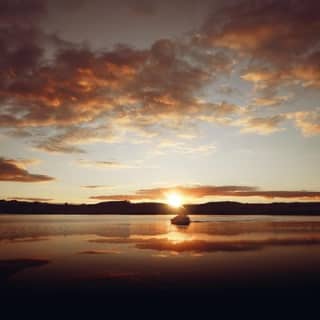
178, 237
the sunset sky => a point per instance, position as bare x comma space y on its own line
129, 99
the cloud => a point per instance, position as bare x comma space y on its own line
273, 30
184, 148
68, 140
269, 101
220, 113
261, 125
199, 191
227, 90
79, 95
278, 39
21, 12
23, 163
267, 85
104, 164
268, 81
10, 170
309, 71
142, 7
307, 121
96, 187
83, 95
76, 87
263, 77
120, 197
31, 199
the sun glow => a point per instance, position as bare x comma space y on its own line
174, 200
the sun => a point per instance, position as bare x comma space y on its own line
174, 200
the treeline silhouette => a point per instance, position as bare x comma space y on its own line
126, 207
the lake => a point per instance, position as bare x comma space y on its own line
118, 254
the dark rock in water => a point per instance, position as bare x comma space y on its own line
181, 220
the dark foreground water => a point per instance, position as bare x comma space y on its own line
220, 259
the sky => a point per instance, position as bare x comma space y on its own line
134, 99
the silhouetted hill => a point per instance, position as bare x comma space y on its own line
126, 207
281, 208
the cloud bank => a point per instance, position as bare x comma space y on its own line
85, 95
199, 192
11, 170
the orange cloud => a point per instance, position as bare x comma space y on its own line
11, 171
307, 121
261, 125
195, 192
269, 102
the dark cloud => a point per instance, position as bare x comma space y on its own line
199, 191
10, 170
72, 85
269, 29
142, 7
133, 89
21, 11
279, 37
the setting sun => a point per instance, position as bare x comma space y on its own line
174, 200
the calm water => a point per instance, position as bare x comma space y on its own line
115, 252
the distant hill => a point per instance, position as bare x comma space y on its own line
126, 207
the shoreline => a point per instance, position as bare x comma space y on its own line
154, 208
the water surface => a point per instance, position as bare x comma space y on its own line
116, 252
